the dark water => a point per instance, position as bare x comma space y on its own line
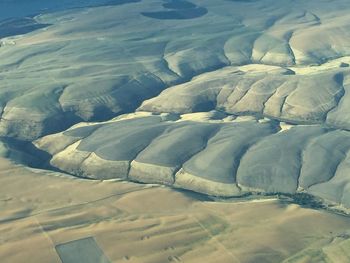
243, 1
183, 14
18, 26
177, 9
180, 4
23, 8
16, 15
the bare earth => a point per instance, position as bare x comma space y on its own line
149, 223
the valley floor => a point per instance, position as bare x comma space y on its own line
41, 211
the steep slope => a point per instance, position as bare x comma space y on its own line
95, 63
231, 97
216, 156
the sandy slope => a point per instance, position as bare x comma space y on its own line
144, 223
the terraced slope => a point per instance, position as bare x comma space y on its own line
213, 154
310, 95
231, 97
95, 63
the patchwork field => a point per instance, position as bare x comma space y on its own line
41, 211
